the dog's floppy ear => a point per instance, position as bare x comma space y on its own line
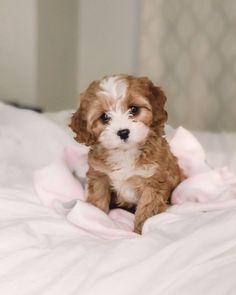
79, 125
157, 100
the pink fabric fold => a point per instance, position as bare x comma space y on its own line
58, 188
56, 182
204, 189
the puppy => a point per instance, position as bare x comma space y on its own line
122, 118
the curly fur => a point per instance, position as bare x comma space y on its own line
141, 176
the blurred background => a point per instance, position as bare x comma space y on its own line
50, 50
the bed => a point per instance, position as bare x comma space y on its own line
42, 253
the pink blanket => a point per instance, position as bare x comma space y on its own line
205, 189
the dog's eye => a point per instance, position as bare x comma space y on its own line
105, 118
133, 110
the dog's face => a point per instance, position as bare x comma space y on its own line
119, 112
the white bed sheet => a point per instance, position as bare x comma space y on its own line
41, 253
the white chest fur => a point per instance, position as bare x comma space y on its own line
123, 163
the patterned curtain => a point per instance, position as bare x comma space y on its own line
189, 48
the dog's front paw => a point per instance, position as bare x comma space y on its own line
100, 203
138, 227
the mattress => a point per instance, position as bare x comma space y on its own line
42, 253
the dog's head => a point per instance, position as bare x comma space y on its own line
119, 112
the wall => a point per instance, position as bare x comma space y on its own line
18, 55
108, 39
51, 50
57, 29
189, 48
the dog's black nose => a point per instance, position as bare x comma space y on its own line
123, 133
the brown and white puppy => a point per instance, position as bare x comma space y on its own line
122, 118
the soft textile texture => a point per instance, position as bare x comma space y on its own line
204, 189
42, 253
58, 188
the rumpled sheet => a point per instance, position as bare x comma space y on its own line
42, 253
205, 189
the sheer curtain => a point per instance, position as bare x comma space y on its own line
189, 48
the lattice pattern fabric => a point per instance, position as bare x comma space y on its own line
189, 47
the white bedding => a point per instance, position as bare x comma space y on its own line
41, 253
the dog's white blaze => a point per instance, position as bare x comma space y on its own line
119, 120
113, 87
